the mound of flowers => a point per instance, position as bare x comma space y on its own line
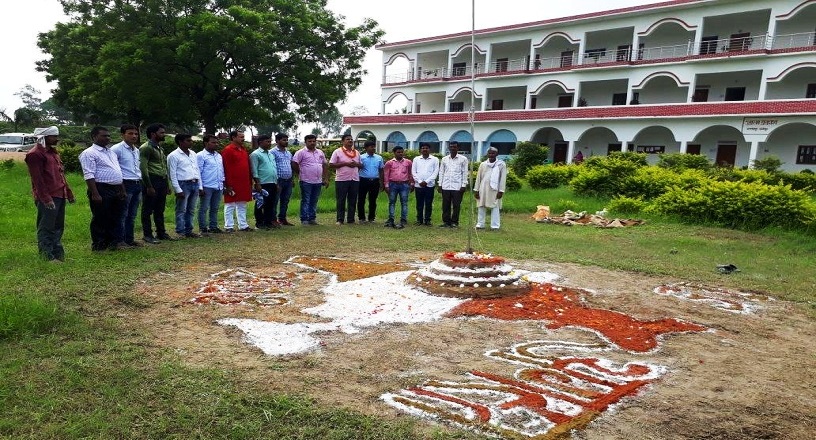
469, 275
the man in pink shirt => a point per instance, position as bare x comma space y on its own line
346, 163
310, 164
398, 180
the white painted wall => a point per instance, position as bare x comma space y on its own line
431, 102
514, 97
599, 93
662, 90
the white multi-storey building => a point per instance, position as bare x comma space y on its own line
734, 80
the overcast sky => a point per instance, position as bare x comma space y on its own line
401, 20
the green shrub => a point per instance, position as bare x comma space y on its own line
69, 154
771, 164
739, 205
680, 162
513, 182
648, 182
626, 205
803, 181
564, 205
26, 315
7, 164
526, 155
547, 176
602, 176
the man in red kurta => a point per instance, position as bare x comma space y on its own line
237, 182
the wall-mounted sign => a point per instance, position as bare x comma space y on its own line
759, 125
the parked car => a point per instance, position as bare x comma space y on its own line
17, 141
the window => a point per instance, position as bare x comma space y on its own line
651, 149
619, 99
497, 104
693, 149
811, 91
504, 147
708, 45
566, 58
565, 100
735, 94
739, 42
459, 69
457, 107
464, 147
501, 64
533, 102
611, 148
700, 95
806, 155
594, 54
623, 53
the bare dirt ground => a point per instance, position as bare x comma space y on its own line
750, 377
4, 155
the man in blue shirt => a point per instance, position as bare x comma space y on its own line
283, 160
371, 182
127, 152
265, 178
211, 167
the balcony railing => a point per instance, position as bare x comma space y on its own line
732, 45
721, 46
792, 41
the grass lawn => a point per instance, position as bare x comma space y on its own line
73, 365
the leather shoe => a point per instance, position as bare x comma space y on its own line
150, 240
166, 237
285, 223
192, 235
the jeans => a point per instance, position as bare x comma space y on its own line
400, 189
50, 226
105, 216
283, 197
133, 194
154, 206
185, 207
369, 190
346, 193
309, 195
451, 198
210, 202
424, 203
265, 215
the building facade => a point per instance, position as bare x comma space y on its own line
732, 80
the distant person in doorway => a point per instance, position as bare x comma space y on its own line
578, 158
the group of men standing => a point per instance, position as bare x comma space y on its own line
121, 177
361, 177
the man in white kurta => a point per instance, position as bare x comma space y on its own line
489, 189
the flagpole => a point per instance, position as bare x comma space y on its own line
472, 117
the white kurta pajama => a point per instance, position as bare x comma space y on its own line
490, 181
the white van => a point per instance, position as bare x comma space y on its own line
17, 141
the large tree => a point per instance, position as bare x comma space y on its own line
217, 62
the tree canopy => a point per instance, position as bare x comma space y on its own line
215, 62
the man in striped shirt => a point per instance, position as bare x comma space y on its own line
106, 190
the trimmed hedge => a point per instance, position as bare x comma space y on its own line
740, 205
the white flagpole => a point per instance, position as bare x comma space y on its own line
472, 117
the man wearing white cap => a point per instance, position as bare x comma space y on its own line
51, 191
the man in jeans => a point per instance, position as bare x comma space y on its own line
310, 164
283, 161
398, 181
424, 169
153, 164
182, 166
371, 182
127, 152
211, 167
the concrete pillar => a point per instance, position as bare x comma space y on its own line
633, 56
683, 147
698, 38
769, 39
570, 151
752, 156
581, 49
